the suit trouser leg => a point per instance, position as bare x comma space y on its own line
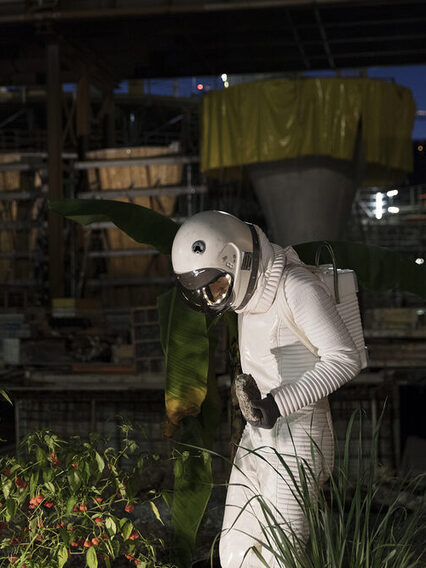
266, 481
240, 529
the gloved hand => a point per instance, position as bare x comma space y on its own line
269, 411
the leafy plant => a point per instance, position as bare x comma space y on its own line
71, 500
4, 395
377, 268
188, 343
357, 520
191, 391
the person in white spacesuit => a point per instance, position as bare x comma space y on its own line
224, 263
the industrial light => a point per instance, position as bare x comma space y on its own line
393, 209
392, 193
200, 86
379, 205
420, 148
420, 261
226, 84
132, 117
224, 77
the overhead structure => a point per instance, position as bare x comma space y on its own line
177, 38
308, 144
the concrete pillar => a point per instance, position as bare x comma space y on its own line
305, 199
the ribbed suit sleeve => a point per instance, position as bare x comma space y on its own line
315, 313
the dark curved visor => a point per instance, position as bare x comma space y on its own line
208, 288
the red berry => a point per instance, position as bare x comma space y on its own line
129, 508
87, 544
95, 541
20, 483
53, 458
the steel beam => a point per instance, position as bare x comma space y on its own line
54, 167
16, 167
156, 9
142, 192
83, 115
298, 40
112, 282
126, 163
122, 252
324, 38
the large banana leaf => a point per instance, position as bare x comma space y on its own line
192, 399
140, 223
186, 348
376, 268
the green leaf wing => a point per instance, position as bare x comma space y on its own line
186, 348
62, 556
91, 558
376, 268
4, 394
140, 223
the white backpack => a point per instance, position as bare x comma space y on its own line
343, 288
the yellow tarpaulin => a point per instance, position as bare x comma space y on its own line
286, 118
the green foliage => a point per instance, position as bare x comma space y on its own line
376, 268
4, 394
72, 500
191, 387
140, 223
185, 344
357, 520
192, 399
191, 493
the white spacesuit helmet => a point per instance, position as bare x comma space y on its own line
215, 257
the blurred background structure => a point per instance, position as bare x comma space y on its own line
266, 109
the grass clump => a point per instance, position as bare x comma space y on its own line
360, 519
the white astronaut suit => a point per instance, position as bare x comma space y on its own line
224, 263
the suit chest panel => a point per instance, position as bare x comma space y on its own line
258, 336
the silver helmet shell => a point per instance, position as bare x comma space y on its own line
215, 257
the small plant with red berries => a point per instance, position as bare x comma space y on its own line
62, 501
